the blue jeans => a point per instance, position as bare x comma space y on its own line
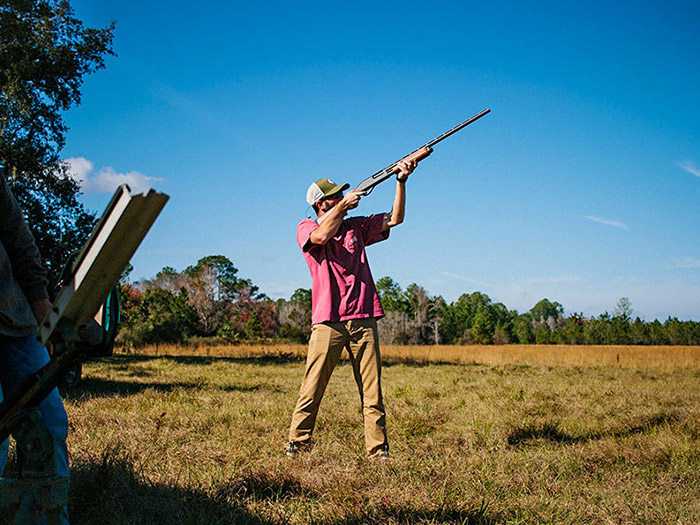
19, 357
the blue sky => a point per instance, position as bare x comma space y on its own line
581, 186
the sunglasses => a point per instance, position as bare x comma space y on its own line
338, 195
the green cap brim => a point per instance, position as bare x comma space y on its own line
336, 189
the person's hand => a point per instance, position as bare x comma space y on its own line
351, 200
405, 169
41, 308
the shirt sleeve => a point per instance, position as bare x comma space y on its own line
373, 229
304, 230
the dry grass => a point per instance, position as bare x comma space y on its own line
198, 439
646, 357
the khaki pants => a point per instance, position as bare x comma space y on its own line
360, 338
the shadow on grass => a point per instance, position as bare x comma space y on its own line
110, 491
409, 514
388, 362
95, 387
92, 387
123, 360
204, 360
550, 432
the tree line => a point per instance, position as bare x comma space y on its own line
209, 302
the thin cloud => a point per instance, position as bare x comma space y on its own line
554, 280
465, 279
607, 222
687, 262
690, 168
106, 180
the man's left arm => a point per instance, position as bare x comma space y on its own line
396, 216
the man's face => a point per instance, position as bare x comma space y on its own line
327, 203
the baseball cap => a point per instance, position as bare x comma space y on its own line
323, 188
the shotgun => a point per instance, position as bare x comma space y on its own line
369, 183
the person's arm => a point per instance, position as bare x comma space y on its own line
330, 222
18, 243
398, 210
20, 246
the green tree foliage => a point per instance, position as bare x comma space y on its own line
212, 284
162, 317
254, 316
681, 333
295, 316
44, 54
206, 300
219, 276
420, 303
393, 298
474, 318
640, 332
522, 330
571, 330
412, 316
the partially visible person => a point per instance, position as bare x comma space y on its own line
23, 304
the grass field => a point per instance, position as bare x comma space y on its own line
478, 435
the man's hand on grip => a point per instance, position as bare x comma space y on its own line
351, 200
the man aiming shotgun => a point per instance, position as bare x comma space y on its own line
345, 304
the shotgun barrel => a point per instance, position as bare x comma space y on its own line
417, 155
